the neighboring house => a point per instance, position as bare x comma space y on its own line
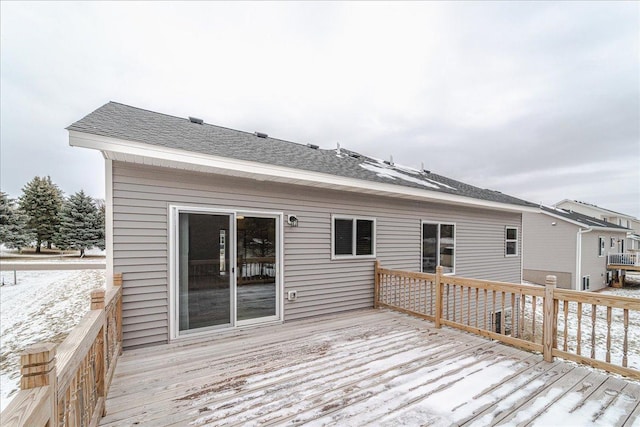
214, 228
632, 241
569, 245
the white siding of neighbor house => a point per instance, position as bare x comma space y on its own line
142, 195
549, 249
593, 265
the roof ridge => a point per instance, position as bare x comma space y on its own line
206, 123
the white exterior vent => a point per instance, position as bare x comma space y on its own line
196, 120
261, 135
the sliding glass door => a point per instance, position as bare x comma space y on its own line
205, 280
257, 266
226, 269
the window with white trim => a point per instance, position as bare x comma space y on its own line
600, 246
353, 237
585, 283
511, 241
438, 247
613, 242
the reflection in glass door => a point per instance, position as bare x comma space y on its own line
205, 282
256, 248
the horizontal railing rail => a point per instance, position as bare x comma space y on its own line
67, 385
588, 328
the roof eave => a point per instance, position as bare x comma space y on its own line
583, 225
141, 153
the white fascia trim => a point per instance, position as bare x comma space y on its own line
223, 165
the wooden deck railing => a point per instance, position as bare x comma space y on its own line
67, 385
555, 322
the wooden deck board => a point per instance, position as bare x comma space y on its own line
358, 368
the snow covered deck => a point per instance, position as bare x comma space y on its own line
360, 368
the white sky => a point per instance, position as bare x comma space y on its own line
540, 100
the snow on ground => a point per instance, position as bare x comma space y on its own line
42, 306
617, 328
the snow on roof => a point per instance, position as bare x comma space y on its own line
389, 172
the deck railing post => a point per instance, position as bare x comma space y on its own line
98, 303
97, 299
376, 284
549, 326
438, 285
38, 369
117, 281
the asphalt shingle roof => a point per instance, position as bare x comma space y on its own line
134, 124
586, 220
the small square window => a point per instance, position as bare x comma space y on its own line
353, 237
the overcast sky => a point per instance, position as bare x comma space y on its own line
539, 100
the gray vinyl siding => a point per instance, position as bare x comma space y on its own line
142, 196
549, 249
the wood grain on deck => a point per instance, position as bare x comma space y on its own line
371, 367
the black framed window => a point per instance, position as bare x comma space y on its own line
353, 237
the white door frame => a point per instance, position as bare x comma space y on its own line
174, 211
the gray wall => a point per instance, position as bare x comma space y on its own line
548, 248
564, 280
142, 195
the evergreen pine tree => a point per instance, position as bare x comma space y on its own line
13, 225
41, 200
101, 220
80, 224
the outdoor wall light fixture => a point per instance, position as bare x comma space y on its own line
292, 220
554, 223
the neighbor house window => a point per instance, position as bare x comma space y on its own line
353, 237
600, 246
511, 241
438, 247
585, 283
613, 243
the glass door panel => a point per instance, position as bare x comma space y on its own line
256, 248
205, 282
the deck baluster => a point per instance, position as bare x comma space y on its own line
454, 303
608, 334
484, 314
579, 332
566, 328
523, 304
533, 318
477, 312
468, 306
593, 331
625, 345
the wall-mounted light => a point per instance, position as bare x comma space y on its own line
554, 223
292, 220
